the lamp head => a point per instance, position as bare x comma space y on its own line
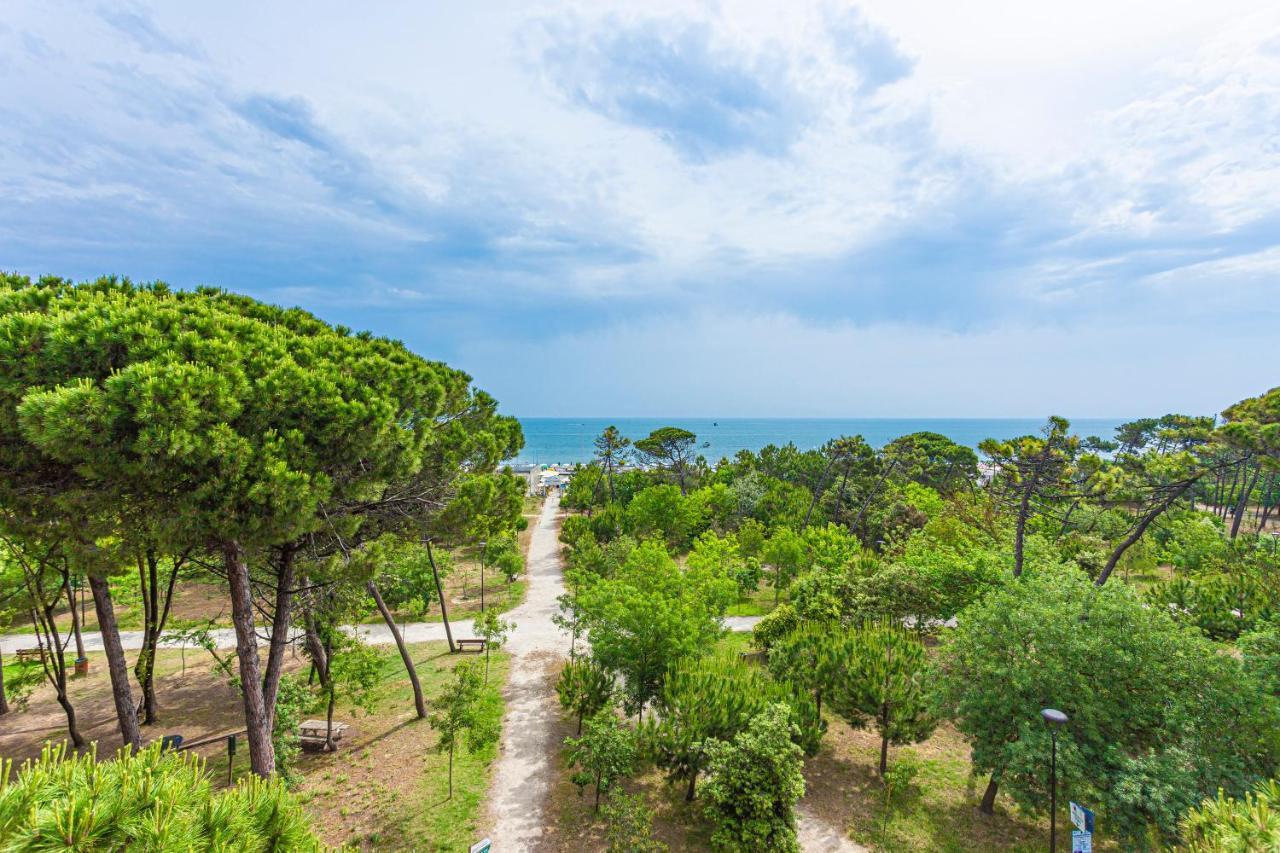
1053, 716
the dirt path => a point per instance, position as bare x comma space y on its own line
816, 833
525, 771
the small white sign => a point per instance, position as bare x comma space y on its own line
481, 846
1081, 842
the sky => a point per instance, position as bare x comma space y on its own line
891, 209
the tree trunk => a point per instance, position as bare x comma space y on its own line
451, 771
279, 632
419, 701
77, 739
1020, 528
126, 715
1243, 501
262, 755
4, 702
444, 610
988, 805
1133, 537
328, 721
75, 615
692, 789
884, 755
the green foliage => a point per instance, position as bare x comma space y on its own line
605, 753
753, 784
629, 824
785, 554
585, 688
715, 697
1158, 718
720, 555
666, 513
493, 629
776, 624
150, 800
465, 713
671, 448
879, 681
1260, 650
1193, 542
1229, 825
807, 658
294, 702
1225, 604
651, 614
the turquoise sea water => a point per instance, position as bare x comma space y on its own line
549, 440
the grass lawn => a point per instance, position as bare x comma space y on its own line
385, 788
757, 603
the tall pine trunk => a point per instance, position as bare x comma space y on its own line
444, 610
419, 701
126, 715
262, 754
1243, 501
4, 702
279, 631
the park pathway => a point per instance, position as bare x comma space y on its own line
525, 771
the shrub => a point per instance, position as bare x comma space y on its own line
151, 800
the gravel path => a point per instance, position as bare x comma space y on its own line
525, 771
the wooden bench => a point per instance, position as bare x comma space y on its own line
463, 644
311, 734
26, 654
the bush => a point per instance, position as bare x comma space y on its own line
753, 785
149, 801
1228, 825
629, 825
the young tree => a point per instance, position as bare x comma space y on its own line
880, 682
585, 688
611, 452
672, 448
649, 615
785, 552
606, 752
493, 630
460, 716
753, 784
710, 698
807, 657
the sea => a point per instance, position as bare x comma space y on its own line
568, 440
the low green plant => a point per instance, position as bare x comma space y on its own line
150, 800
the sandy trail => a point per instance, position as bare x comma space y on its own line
816, 833
525, 770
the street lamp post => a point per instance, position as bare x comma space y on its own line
483, 547
1055, 719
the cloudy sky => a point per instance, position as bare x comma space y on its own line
894, 208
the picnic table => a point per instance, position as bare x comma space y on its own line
25, 654
311, 733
